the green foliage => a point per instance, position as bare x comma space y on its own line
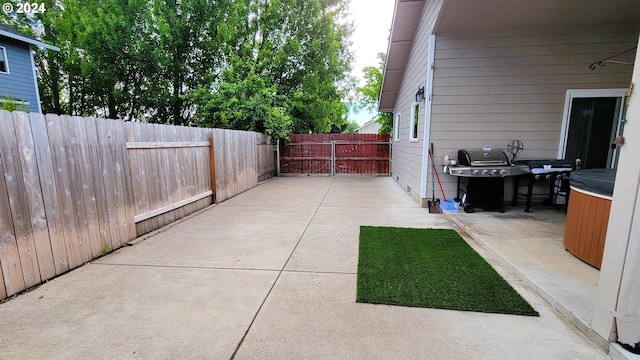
104, 251
351, 127
247, 64
369, 94
11, 106
278, 124
386, 120
290, 54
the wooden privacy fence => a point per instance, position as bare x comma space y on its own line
335, 154
73, 188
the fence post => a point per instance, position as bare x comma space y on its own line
278, 157
333, 157
212, 165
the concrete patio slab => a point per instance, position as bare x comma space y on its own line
533, 244
285, 191
314, 316
331, 241
271, 274
367, 192
125, 312
243, 237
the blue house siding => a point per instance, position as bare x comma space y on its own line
19, 84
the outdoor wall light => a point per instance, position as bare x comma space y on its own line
420, 94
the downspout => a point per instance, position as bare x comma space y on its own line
427, 115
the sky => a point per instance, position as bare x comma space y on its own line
372, 20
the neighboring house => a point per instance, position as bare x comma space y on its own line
18, 82
370, 127
495, 71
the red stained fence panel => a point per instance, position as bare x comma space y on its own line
332, 154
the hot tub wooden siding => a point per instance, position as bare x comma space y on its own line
586, 226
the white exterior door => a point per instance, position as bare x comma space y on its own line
592, 120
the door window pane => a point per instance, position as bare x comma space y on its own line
591, 129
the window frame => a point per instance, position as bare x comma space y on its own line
396, 127
413, 127
3, 51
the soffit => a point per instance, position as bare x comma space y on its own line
472, 16
460, 16
406, 19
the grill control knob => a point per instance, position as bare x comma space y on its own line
503, 172
538, 177
549, 176
494, 171
484, 172
460, 172
475, 172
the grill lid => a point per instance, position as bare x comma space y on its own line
482, 157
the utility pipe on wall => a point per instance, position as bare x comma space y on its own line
427, 115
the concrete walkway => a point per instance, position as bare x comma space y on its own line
269, 274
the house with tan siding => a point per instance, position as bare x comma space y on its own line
493, 71
494, 74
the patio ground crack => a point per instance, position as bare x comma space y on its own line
255, 316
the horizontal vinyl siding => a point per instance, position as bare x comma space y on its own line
407, 155
490, 88
19, 83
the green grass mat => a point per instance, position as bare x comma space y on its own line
432, 268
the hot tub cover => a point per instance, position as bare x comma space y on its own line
599, 181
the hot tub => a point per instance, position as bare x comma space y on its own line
588, 214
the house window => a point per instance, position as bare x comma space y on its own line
4, 67
415, 117
396, 128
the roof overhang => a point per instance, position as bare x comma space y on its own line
27, 40
461, 16
406, 18
473, 16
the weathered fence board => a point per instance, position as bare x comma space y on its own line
179, 166
51, 208
18, 202
265, 162
236, 171
60, 150
9, 257
73, 187
87, 209
100, 193
34, 200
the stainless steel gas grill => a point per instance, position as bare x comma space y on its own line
481, 173
485, 162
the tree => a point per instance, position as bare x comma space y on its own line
351, 127
369, 94
292, 55
276, 66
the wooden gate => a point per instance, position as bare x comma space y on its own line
335, 154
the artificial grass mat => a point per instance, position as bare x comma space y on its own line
432, 268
